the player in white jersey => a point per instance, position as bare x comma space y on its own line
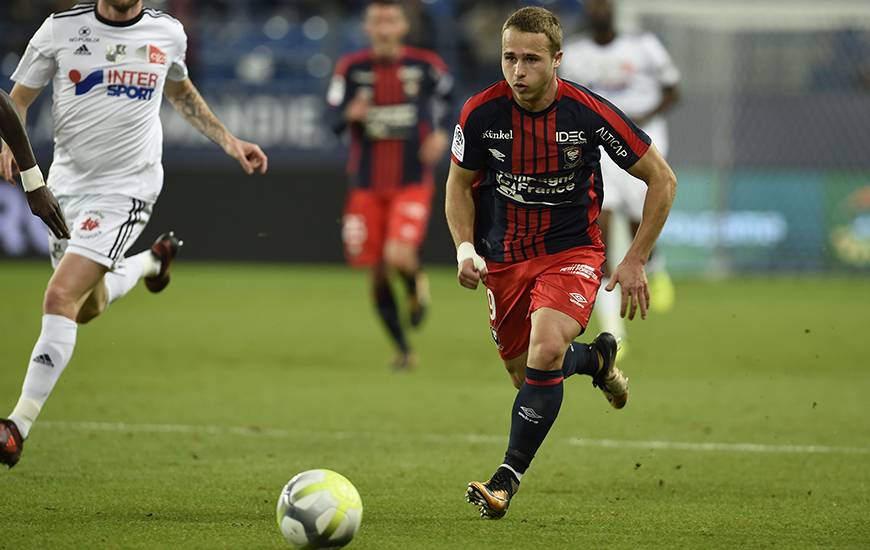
110, 63
635, 72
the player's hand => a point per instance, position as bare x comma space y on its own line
249, 155
358, 107
470, 274
8, 167
43, 204
433, 148
472, 268
635, 290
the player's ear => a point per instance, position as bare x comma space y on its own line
557, 59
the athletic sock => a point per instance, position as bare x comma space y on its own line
389, 314
607, 306
580, 359
52, 352
535, 409
410, 283
122, 280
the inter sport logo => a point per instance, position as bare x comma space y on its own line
130, 84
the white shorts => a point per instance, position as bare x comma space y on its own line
102, 227
623, 192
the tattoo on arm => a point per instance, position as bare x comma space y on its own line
193, 108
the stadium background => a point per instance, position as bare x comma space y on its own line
770, 141
183, 414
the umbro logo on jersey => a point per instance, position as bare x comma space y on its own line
44, 359
82, 50
499, 156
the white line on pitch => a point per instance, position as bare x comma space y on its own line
448, 438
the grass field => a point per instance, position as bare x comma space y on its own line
183, 414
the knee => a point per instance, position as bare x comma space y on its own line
547, 354
516, 379
400, 259
59, 301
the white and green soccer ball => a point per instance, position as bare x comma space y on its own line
319, 509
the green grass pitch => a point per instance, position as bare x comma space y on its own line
183, 414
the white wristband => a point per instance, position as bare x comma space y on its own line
465, 251
31, 179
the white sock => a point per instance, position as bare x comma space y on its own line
122, 280
50, 356
607, 310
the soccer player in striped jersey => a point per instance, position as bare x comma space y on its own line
40, 199
393, 99
109, 63
523, 195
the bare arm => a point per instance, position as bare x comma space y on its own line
15, 105
41, 201
12, 132
187, 100
661, 190
459, 208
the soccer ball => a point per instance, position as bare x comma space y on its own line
319, 509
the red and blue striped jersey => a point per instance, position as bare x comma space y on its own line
539, 189
409, 96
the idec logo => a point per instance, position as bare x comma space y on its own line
156, 55
130, 84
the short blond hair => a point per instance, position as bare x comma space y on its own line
537, 20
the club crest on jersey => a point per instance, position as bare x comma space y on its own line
116, 53
572, 156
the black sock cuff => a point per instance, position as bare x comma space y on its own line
517, 460
537, 377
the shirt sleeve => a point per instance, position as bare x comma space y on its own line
620, 138
443, 97
467, 150
178, 66
38, 64
338, 96
664, 69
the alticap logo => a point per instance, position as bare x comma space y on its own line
131, 84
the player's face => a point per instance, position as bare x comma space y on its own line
599, 14
385, 25
122, 5
527, 65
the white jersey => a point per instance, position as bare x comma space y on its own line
629, 72
108, 83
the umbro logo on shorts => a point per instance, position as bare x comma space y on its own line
82, 50
44, 359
